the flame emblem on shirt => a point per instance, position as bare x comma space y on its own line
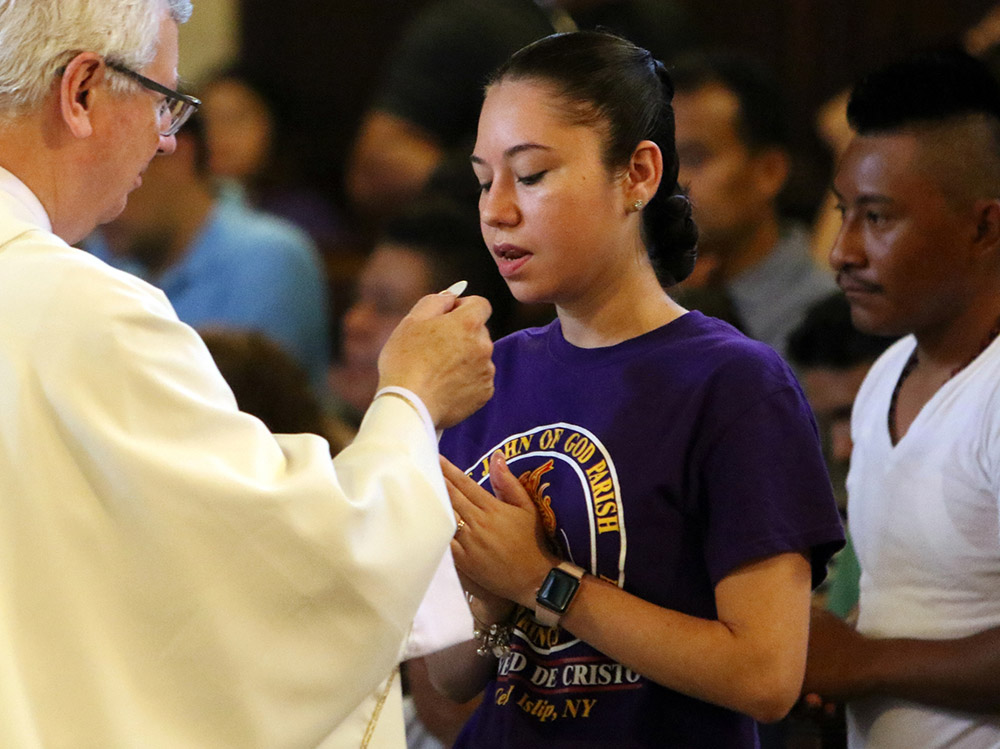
532, 483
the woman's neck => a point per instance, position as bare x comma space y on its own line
634, 305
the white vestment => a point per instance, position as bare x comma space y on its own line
171, 574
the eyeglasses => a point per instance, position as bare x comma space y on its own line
175, 109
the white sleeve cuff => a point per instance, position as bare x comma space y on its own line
418, 405
443, 618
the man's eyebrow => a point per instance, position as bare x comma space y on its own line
864, 199
513, 151
870, 199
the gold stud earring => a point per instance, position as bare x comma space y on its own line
637, 205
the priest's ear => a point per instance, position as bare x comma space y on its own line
78, 90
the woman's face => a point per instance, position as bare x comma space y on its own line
391, 282
238, 130
553, 217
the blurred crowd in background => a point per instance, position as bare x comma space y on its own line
250, 228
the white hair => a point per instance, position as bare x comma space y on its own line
38, 37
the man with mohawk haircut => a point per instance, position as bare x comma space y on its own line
918, 255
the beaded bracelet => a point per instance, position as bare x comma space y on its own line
493, 639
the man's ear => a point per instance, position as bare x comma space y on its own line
642, 177
80, 78
771, 169
987, 233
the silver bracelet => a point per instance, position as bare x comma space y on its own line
493, 639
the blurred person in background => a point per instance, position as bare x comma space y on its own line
253, 156
426, 110
732, 143
266, 381
832, 358
833, 130
221, 262
429, 246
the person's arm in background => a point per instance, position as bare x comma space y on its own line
442, 717
957, 674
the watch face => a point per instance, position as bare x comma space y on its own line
557, 590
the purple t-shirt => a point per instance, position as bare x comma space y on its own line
668, 461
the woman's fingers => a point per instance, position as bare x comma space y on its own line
506, 485
467, 487
465, 509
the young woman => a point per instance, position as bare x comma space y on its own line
667, 464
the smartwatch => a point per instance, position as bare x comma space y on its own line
556, 593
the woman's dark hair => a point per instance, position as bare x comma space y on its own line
266, 381
283, 159
761, 113
447, 234
826, 338
609, 82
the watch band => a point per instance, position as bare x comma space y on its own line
557, 592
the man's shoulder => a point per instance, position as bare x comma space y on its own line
43, 278
236, 230
44, 258
789, 267
984, 374
241, 219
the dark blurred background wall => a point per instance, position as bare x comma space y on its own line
330, 56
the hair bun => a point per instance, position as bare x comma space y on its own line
676, 246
